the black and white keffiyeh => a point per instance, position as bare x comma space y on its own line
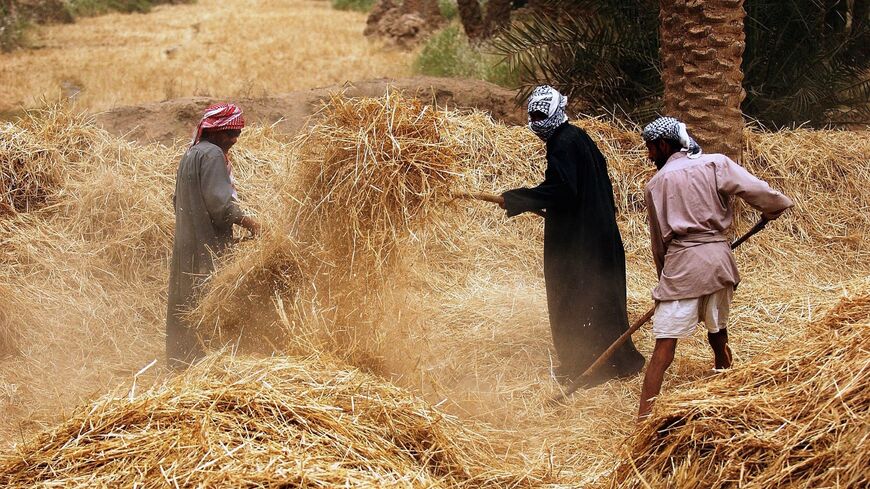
548, 100
672, 130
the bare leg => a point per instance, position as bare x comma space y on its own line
719, 343
662, 356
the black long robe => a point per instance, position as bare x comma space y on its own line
205, 211
584, 260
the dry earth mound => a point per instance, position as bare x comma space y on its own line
167, 122
260, 423
405, 23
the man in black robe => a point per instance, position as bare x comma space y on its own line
206, 208
584, 260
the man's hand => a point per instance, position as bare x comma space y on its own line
252, 225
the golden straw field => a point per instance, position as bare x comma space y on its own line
418, 319
252, 48
382, 332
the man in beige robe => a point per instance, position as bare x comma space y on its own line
206, 209
689, 207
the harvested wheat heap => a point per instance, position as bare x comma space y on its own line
797, 418
269, 422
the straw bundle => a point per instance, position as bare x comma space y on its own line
254, 423
29, 172
799, 417
372, 168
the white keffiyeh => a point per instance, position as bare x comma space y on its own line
548, 100
672, 130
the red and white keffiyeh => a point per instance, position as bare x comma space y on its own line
219, 116
223, 117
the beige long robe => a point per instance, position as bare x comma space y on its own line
205, 211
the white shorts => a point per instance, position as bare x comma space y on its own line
678, 319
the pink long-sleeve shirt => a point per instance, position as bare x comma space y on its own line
689, 207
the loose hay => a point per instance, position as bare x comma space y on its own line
798, 417
29, 174
254, 423
372, 168
240, 304
9, 324
457, 311
370, 172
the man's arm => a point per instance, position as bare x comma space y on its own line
217, 191
557, 190
733, 179
550, 193
657, 242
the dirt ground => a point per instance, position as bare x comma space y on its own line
164, 122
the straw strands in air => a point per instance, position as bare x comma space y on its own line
369, 172
372, 169
798, 417
253, 423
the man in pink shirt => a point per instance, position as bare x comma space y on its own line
690, 211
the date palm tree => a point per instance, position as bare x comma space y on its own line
478, 25
804, 61
701, 52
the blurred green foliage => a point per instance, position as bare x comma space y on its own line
358, 5
448, 53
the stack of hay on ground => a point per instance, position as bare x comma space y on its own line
63, 172
83, 258
29, 175
264, 423
798, 417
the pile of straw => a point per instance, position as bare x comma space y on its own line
798, 417
452, 306
372, 168
58, 167
254, 423
85, 269
29, 174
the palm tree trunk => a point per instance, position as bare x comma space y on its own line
702, 44
472, 19
427, 9
498, 15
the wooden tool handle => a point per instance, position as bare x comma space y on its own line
487, 197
